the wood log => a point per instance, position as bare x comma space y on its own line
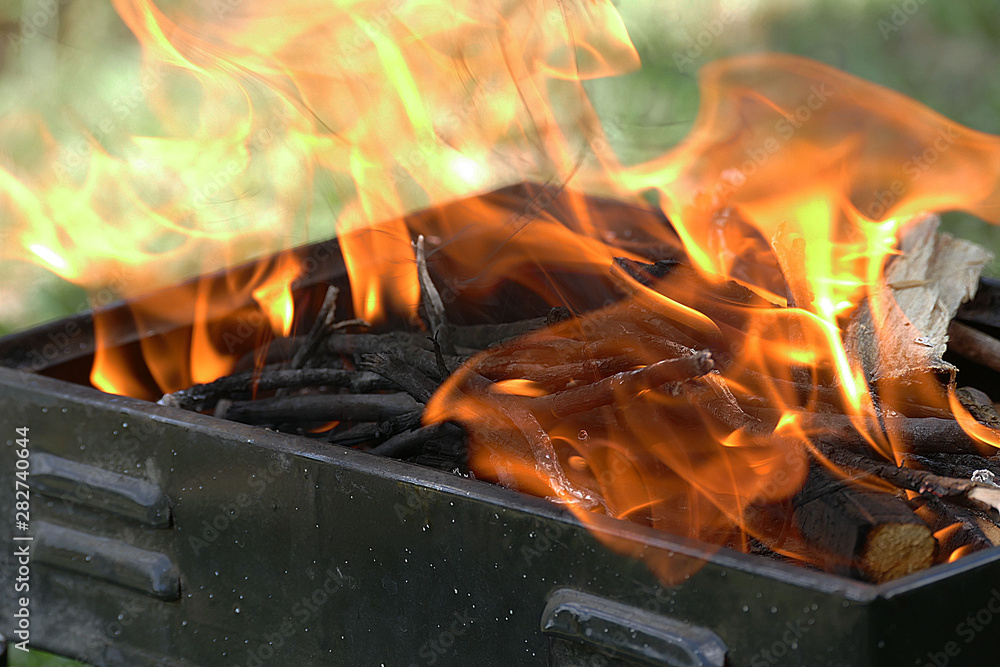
916, 435
627, 383
952, 465
240, 386
978, 495
412, 443
954, 527
320, 408
900, 331
979, 405
857, 530
376, 431
974, 345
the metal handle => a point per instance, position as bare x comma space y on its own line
622, 632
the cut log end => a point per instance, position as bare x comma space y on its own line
874, 534
895, 550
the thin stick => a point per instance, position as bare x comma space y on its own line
544, 454
628, 383
432, 302
411, 443
278, 350
408, 378
201, 397
377, 431
590, 370
320, 328
980, 496
482, 336
917, 435
952, 465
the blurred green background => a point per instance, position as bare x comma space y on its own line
945, 55
41, 659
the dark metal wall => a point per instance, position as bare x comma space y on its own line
169, 538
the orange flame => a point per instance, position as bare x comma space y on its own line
195, 332
788, 199
274, 295
796, 182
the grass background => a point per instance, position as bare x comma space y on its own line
944, 54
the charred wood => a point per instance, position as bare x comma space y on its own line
875, 534
954, 527
627, 383
977, 495
321, 408
406, 377
320, 329
412, 443
979, 405
953, 465
431, 302
241, 386
917, 435
377, 431
974, 345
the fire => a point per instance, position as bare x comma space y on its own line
195, 332
274, 296
797, 182
267, 122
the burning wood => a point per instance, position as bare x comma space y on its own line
933, 275
871, 532
697, 367
526, 384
